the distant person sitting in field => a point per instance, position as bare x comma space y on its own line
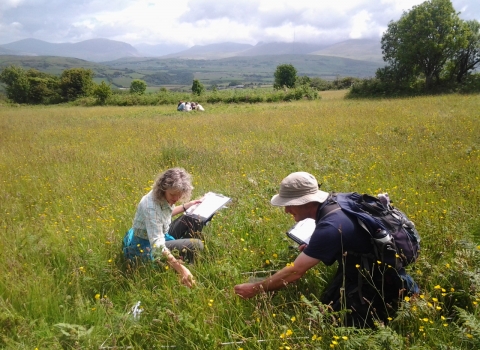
188, 107
181, 106
197, 107
153, 236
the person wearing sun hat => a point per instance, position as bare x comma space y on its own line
336, 235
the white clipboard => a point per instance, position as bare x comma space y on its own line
211, 203
302, 231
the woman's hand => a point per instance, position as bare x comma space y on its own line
192, 203
186, 277
185, 206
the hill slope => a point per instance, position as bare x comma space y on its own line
147, 50
102, 50
278, 48
357, 49
96, 50
212, 51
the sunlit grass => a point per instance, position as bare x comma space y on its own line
71, 178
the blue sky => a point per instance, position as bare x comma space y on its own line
201, 22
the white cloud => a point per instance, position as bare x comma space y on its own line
204, 21
361, 24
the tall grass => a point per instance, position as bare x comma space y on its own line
71, 178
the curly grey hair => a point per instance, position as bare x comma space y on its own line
175, 178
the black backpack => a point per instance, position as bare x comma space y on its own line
395, 239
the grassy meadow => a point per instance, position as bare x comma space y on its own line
71, 178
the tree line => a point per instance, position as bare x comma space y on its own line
34, 87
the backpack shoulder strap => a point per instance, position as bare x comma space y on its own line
330, 206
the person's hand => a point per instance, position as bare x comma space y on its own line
246, 290
302, 247
186, 278
192, 203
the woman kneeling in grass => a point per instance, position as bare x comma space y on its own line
149, 236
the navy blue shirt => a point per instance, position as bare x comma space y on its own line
335, 234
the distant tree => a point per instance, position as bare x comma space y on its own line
320, 84
138, 86
344, 83
102, 92
303, 80
468, 57
285, 75
44, 88
17, 84
424, 40
197, 87
76, 82
30, 86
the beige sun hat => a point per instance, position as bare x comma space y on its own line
297, 189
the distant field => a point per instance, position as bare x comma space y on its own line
72, 177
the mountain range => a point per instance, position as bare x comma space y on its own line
102, 50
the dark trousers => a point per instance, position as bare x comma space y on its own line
187, 232
369, 295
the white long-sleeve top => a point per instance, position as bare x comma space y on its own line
152, 221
